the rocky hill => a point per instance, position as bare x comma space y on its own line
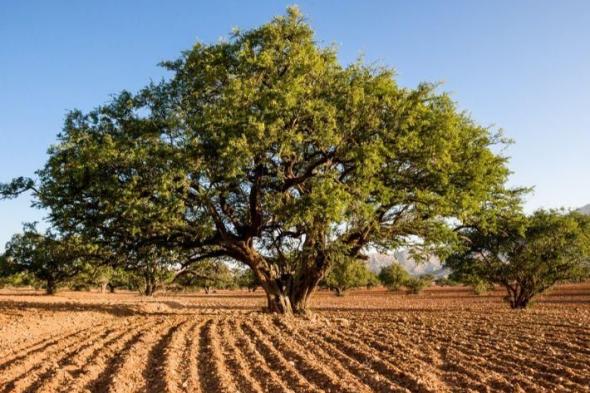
585, 209
377, 261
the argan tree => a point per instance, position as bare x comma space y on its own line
394, 276
48, 257
245, 278
348, 273
526, 255
416, 285
266, 150
208, 274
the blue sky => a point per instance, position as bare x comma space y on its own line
522, 66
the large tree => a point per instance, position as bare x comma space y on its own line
526, 255
265, 149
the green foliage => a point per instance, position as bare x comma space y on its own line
446, 282
526, 255
245, 278
394, 276
207, 274
481, 287
266, 150
22, 279
348, 273
49, 258
415, 285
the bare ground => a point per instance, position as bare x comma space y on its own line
443, 340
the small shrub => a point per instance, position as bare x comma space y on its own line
394, 276
415, 285
481, 287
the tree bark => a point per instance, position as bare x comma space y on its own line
518, 297
286, 293
51, 287
150, 285
103, 287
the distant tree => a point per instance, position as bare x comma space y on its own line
22, 279
394, 276
123, 279
373, 280
348, 273
526, 255
50, 258
415, 285
245, 278
480, 285
207, 274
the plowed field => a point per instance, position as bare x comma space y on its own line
443, 340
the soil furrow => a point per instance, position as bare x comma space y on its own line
40, 347
236, 363
137, 364
213, 375
365, 354
325, 356
175, 359
409, 356
307, 364
190, 377
275, 357
40, 363
90, 367
266, 377
116, 359
362, 370
68, 367
160, 372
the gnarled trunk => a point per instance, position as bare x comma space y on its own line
518, 296
150, 285
286, 292
289, 294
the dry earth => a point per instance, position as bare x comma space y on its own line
444, 340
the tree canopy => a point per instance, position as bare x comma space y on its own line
394, 276
46, 256
526, 255
265, 149
348, 273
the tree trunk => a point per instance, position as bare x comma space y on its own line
518, 297
286, 293
339, 291
103, 287
111, 288
207, 289
150, 284
286, 296
51, 287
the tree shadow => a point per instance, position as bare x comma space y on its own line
119, 310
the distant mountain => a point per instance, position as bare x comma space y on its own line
584, 209
377, 261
